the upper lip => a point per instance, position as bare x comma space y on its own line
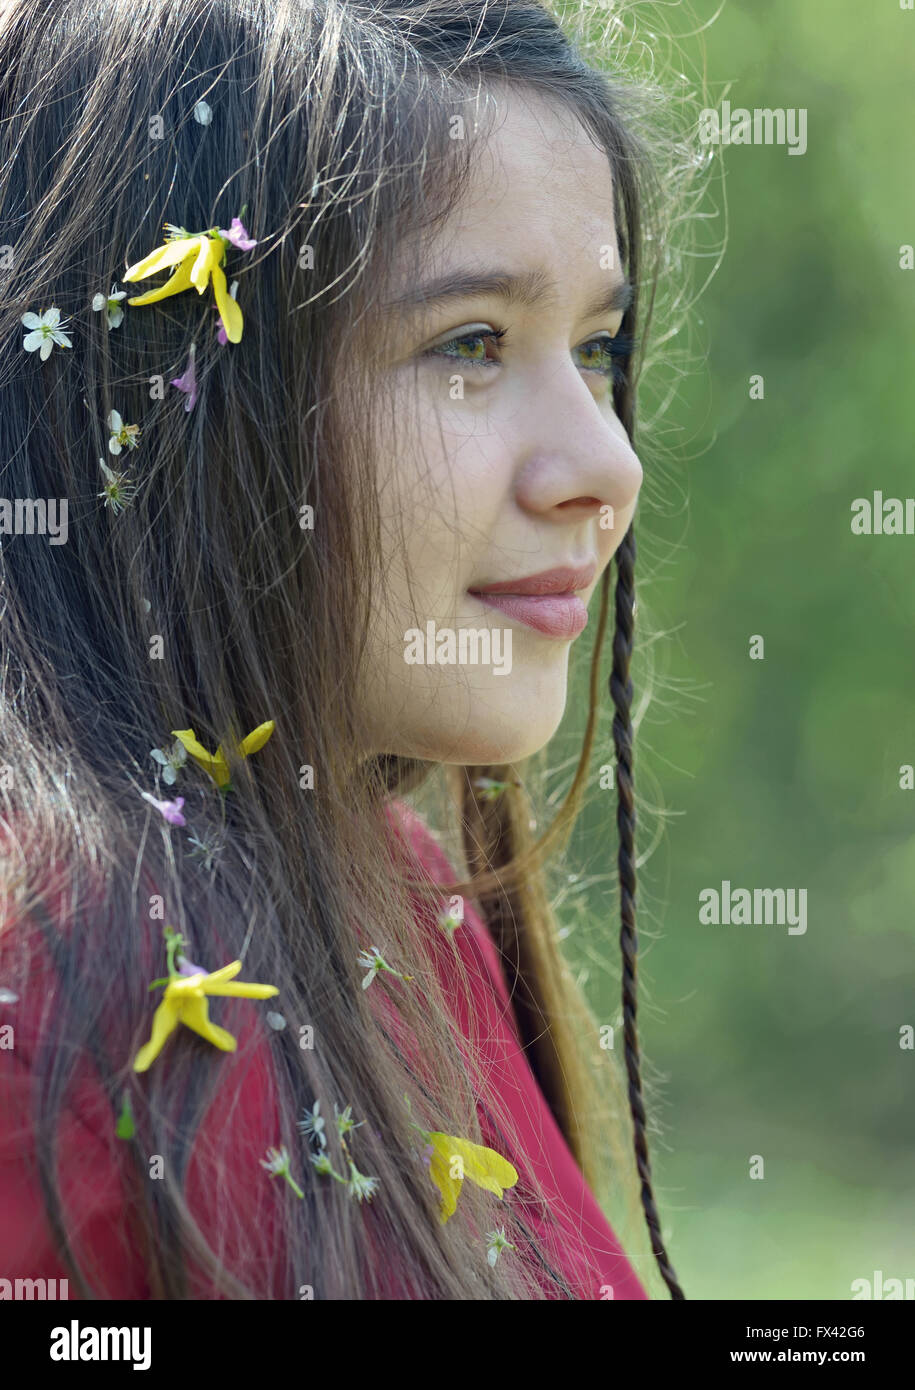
565, 579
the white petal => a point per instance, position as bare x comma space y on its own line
159, 756
98, 302
113, 445
30, 320
33, 340
115, 422
52, 317
45, 351
61, 338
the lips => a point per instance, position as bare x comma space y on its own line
546, 602
565, 579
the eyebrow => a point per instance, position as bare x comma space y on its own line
533, 289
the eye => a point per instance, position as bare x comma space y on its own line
608, 355
605, 354
464, 349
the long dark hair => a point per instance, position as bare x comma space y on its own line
206, 603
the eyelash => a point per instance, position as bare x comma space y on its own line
619, 349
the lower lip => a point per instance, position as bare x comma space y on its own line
555, 615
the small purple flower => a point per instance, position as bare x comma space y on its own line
238, 236
187, 967
188, 382
425, 1156
169, 810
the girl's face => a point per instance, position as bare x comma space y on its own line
506, 462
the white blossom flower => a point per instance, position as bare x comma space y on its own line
118, 490
313, 1124
121, 434
277, 1165
496, 1242
171, 760
110, 302
276, 1162
372, 960
345, 1121
449, 922
361, 1187
46, 330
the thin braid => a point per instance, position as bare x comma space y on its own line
621, 691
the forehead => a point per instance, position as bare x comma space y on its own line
540, 190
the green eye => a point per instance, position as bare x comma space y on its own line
608, 355
466, 346
603, 353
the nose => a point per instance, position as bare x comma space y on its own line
574, 454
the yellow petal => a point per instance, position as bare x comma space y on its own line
203, 263
189, 739
221, 774
440, 1171
229, 312
257, 738
180, 280
482, 1166
165, 1021
218, 984
218, 977
212, 763
195, 1014
244, 991
169, 254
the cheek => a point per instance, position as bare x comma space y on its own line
443, 495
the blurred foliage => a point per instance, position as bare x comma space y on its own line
782, 772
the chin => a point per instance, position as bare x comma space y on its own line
503, 729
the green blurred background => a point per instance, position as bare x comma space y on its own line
782, 772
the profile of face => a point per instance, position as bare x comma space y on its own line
506, 465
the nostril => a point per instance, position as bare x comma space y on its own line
581, 502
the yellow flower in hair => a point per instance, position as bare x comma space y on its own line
215, 764
185, 1001
452, 1160
197, 258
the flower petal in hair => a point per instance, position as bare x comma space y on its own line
46, 330
169, 810
110, 302
221, 335
185, 1001
453, 1159
118, 490
215, 764
171, 760
197, 259
122, 436
187, 382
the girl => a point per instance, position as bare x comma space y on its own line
317, 359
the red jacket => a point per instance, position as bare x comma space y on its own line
574, 1232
